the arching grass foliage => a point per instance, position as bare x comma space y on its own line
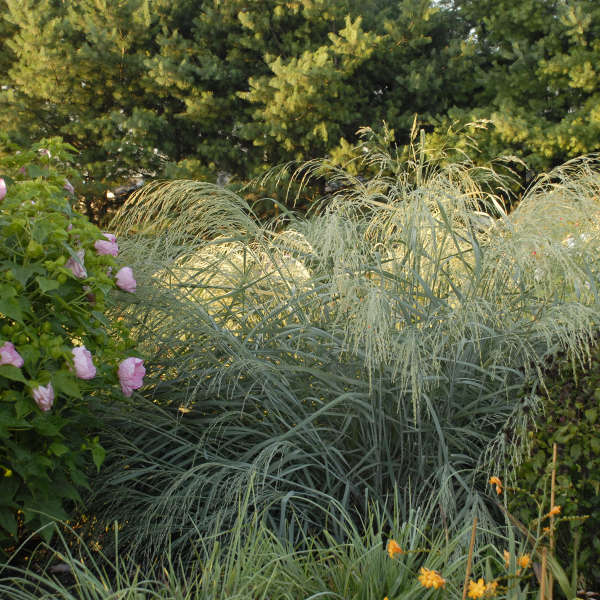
392, 341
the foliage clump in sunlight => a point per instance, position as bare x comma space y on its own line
392, 340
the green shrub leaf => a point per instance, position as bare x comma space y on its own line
8, 521
64, 382
11, 308
47, 285
12, 373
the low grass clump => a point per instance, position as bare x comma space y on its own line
391, 344
383, 558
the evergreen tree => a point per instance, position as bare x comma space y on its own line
541, 84
411, 60
209, 67
7, 30
79, 72
153, 87
307, 103
198, 88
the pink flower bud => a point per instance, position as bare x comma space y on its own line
77, 266
44, 397
23, 171
69, 226
9, 356
69, 187
125, 279
107, 247
2, 189
131, 375
82, 359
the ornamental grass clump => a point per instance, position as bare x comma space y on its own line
392, 341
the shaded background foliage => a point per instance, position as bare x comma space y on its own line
224, 90
571, 420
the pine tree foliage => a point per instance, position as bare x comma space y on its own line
211, 67
308, 101
541, 87
195, 88
79, 73
209, 88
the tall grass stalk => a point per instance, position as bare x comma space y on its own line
393, 341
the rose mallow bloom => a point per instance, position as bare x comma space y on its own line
77, 266
9, 356
44, 396
125, 279
107, 246
131, 374
2, 189
82, 360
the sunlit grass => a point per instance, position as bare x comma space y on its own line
393, 342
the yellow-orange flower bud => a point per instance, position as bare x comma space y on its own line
431, 579
476, 588
524, 561
498, 483
394, 549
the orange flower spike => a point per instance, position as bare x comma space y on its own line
496, 481
555, 510
524, 561
476, 589
393, 549
507, 558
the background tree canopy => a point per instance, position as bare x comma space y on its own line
201, 88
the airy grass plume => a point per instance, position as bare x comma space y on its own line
393, 340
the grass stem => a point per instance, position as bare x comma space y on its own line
552, 500
470, 558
